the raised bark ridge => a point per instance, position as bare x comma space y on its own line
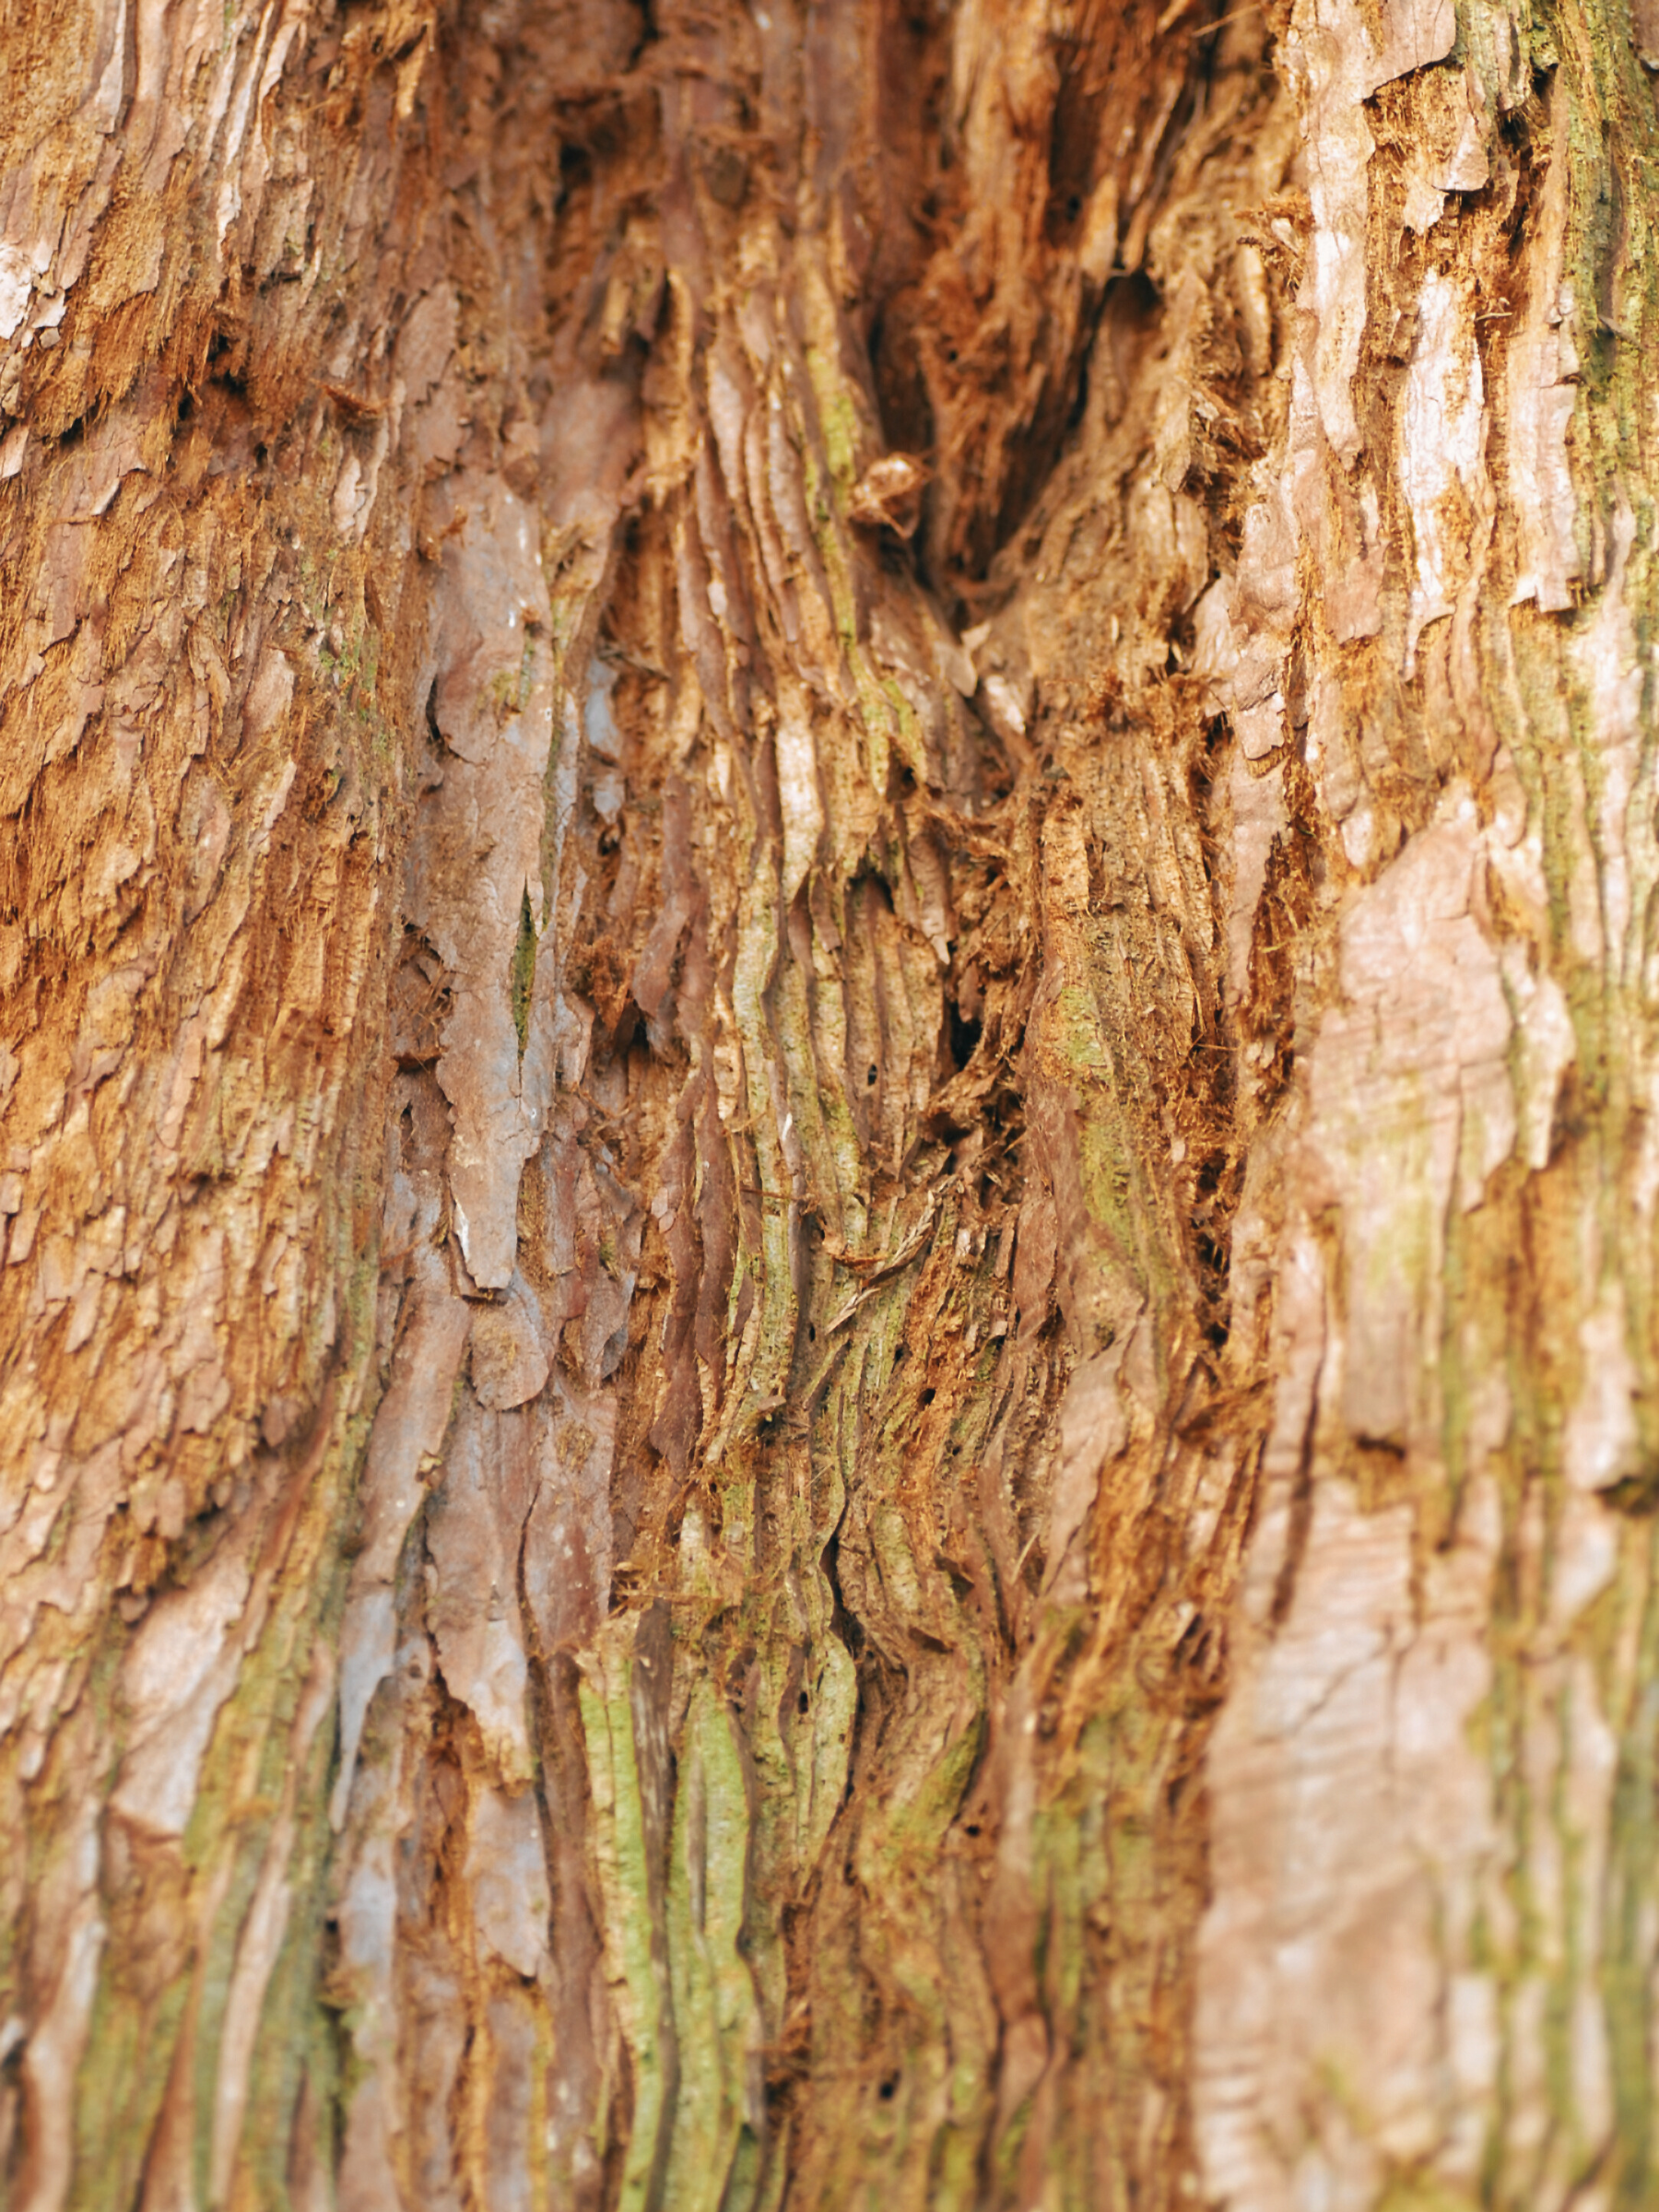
1431, 1821
713, 1208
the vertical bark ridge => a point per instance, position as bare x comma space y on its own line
1430, 1782
763, 1575
206, 747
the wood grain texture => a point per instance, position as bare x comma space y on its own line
827, 1337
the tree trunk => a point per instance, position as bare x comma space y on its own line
829, 1081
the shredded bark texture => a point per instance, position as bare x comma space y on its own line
828, 1105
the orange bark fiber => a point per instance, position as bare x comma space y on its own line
828, 1106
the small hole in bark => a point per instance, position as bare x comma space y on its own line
872, 1073
1389, 1446
928, 1396
964, 1037
803, 1703
888, 2089
973, 1828
811, 1333
898, 1358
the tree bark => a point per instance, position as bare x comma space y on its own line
829, 1086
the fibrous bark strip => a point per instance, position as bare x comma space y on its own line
827, 1084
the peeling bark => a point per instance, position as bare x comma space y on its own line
828, 1089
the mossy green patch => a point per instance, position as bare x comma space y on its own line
716, 2020
606, 1708
523, 973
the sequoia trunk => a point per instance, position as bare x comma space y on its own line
829, 1081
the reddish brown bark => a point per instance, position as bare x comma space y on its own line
827, 1325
